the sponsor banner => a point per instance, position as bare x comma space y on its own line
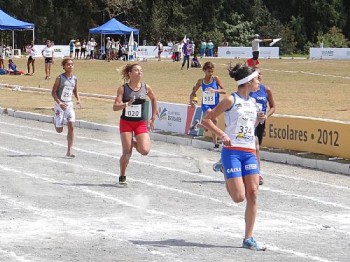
171, 117
60, 50
246, 52
178, 118
316, 135
329, 53
322, 136
152, 51
194, 117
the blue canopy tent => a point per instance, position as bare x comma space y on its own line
113, 27
9, 23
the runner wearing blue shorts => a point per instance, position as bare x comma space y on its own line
212, 87
238, 155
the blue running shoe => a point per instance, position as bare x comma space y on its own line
250, 243
218, 167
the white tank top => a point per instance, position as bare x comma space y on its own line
240, 122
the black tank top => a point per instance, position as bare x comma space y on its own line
135, 112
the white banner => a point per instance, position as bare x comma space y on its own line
171, 117
60, 50
152, 51
246, 52
329, 53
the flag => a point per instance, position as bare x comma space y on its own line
274, 41
131, 46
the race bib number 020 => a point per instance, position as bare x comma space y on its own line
133, 111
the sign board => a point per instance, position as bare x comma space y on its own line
246, 52
329, 53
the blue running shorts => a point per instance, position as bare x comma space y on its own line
238, 163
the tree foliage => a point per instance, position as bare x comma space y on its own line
300, 23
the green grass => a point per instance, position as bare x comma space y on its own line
295, 91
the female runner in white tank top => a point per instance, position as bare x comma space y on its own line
238, 155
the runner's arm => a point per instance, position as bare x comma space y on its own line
221, 89
153, 99
194, 91
272, 104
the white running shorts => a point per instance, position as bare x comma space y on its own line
60, 115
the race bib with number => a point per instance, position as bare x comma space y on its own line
67, 94
133, 111
259, 106
208, 98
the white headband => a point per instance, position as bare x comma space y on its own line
247, 78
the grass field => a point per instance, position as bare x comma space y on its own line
316, 88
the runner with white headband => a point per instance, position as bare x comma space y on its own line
238, 155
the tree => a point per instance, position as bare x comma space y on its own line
334, 38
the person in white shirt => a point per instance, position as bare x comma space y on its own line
31, 58
256, 47
91, 44
48, 54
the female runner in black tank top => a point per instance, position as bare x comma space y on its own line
133, 126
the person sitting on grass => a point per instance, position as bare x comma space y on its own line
12, 69
195, 62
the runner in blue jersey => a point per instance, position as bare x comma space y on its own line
212, 87
240, 164
264, 100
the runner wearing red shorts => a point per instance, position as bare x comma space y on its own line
131, 98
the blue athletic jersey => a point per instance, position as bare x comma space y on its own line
261, 97
210, 100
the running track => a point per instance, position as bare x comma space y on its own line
173, 209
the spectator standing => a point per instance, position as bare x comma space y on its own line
91, 45
83, 50
135, 49
71, 48
203, 48
77, 48
210, 48
186, 50
193, 50
48, 54
31, 58
108, 49
160, 50
256, 47
177, 50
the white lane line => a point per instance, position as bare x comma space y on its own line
314, 199
229, 204
13, 255
281, 192
113, 157
306, 180
83, 137
302, 72
190, 222
177, 155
